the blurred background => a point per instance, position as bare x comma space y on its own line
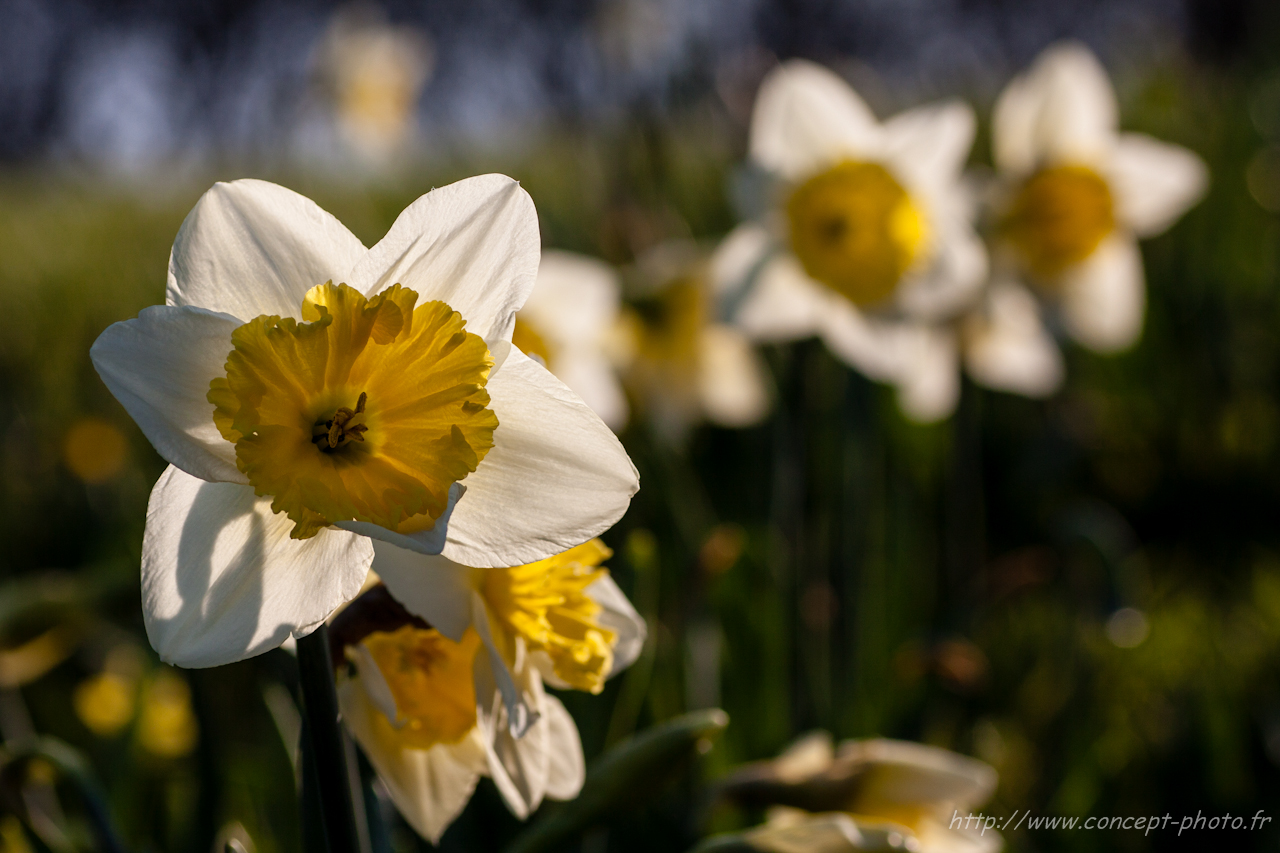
1083, 592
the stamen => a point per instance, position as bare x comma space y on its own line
331, 434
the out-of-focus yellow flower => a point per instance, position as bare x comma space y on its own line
95, 450
867, 795
686, 365
105, 703
167, 725
1078, 194
868, 243
376, 72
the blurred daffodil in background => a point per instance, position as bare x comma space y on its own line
1077, 195
869, 242
570, 323
374, 73
290, 443
432, 724
872, 794
686, 364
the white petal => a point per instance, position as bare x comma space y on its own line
928, 146
251, 247
519, 764
576, 298
783, 304
874, 347
907, 772
929, 385
833, 832
590, 374
1154, 182
1104, 297
556, 475
1062, 110
432, 587
375, 684
953, 280
566, 767
731, 378
430, 787
620, 617
1007, 346
493, 674
159, 367
807, 756
806, 118
473, 245
427, 542
735, 259
222, 580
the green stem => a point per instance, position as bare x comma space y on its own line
324, 738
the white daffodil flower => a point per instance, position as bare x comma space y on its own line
869, 244
1079, 194
562, 617
569, 321
412, 705
685, 365
301, 417
869, 795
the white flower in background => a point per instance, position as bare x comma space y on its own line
684, 364
867, 795
569, 321
1079, 194
869, 244
413, 704
300, 417
564, 617
375, 73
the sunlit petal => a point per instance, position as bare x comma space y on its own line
1154, 182
1104, 298
222, 580
251, 247
159, 367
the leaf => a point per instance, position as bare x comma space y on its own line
624, 778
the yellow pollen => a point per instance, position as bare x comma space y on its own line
431, 680
527, 340
419, 423
1058, 217
855, 229
546, 604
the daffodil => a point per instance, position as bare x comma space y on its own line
868, 242
410, 699
570, 323
310, 393
562, 617
374, 72
1078, 194
685, 364
873, 794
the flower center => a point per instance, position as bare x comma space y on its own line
530, 342
855, 229
431, 681
331, 434
546, 604
1059, 216
419, 424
